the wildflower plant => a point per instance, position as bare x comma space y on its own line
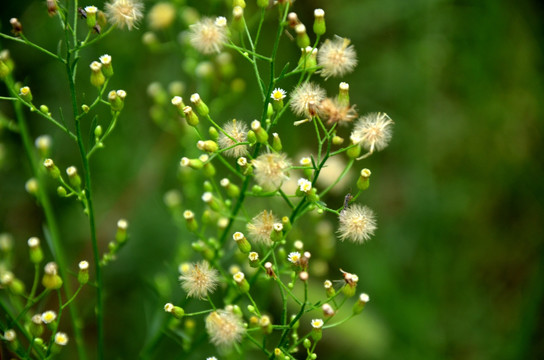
247, 274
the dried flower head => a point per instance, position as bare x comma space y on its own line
372, 131
224, 328
199, 280
357, 223
237, 131
304, 96
261, 226
337, 57
334, 112
124, 13
208, 36
271, 170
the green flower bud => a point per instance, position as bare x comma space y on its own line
240, 279
260, 133
190, 221
354, 151
209, 170
31, 187
36, 253
51, 280
253, 259
277, 232
196, 164
337, 140
52, 169
242, 242
329, 289
25, 94
319, 22
209, 146
36, 326
199, 105
83, 275
360, 304
276, 142
121, 234
85, 108
213, 133
211, 201
44, 109
117, 99
107, 68
61, 191
90, 12
73, 177
343, 94
266, 324
176, 311
190, 116
238, 18
317, 325
262, 3
97, 77
307, 343
364, 180
251, 137
303, 39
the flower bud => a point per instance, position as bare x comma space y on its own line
232, 190
317, 325
199, 105
83, 275
277, 232
307, 343
117, 99
238, 18
262, 3
251, 137
292, 20
319, 22
51, 280
43, 144
241, 281
329, 289
176, 311
97, 77
31, 186
90, 12
25, 94
269, 268
303, 39
343, 94
211, 201
328, 311
260, 133
61, 339
121, 234
52, 7
36, 326
213, 133
253, 259
278, 354
61, 191
107, 68
190, 220
360, 304
354, 151
364, 179
266, 324
36, 253
276, 142
337, 140
242, 242
192, 163
209, 146
190, 116
73, 177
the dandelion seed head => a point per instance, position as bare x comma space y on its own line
224, 328
304, 95
357, 223
237, 131
337, 57
124, 13
208, 36
373, 131
261, 226
199, 280
271, 170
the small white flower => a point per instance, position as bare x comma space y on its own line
304, 185
294, 257
317, 323
278, 94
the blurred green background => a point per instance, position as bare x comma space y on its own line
455, 270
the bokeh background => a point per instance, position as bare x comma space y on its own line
455, 270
